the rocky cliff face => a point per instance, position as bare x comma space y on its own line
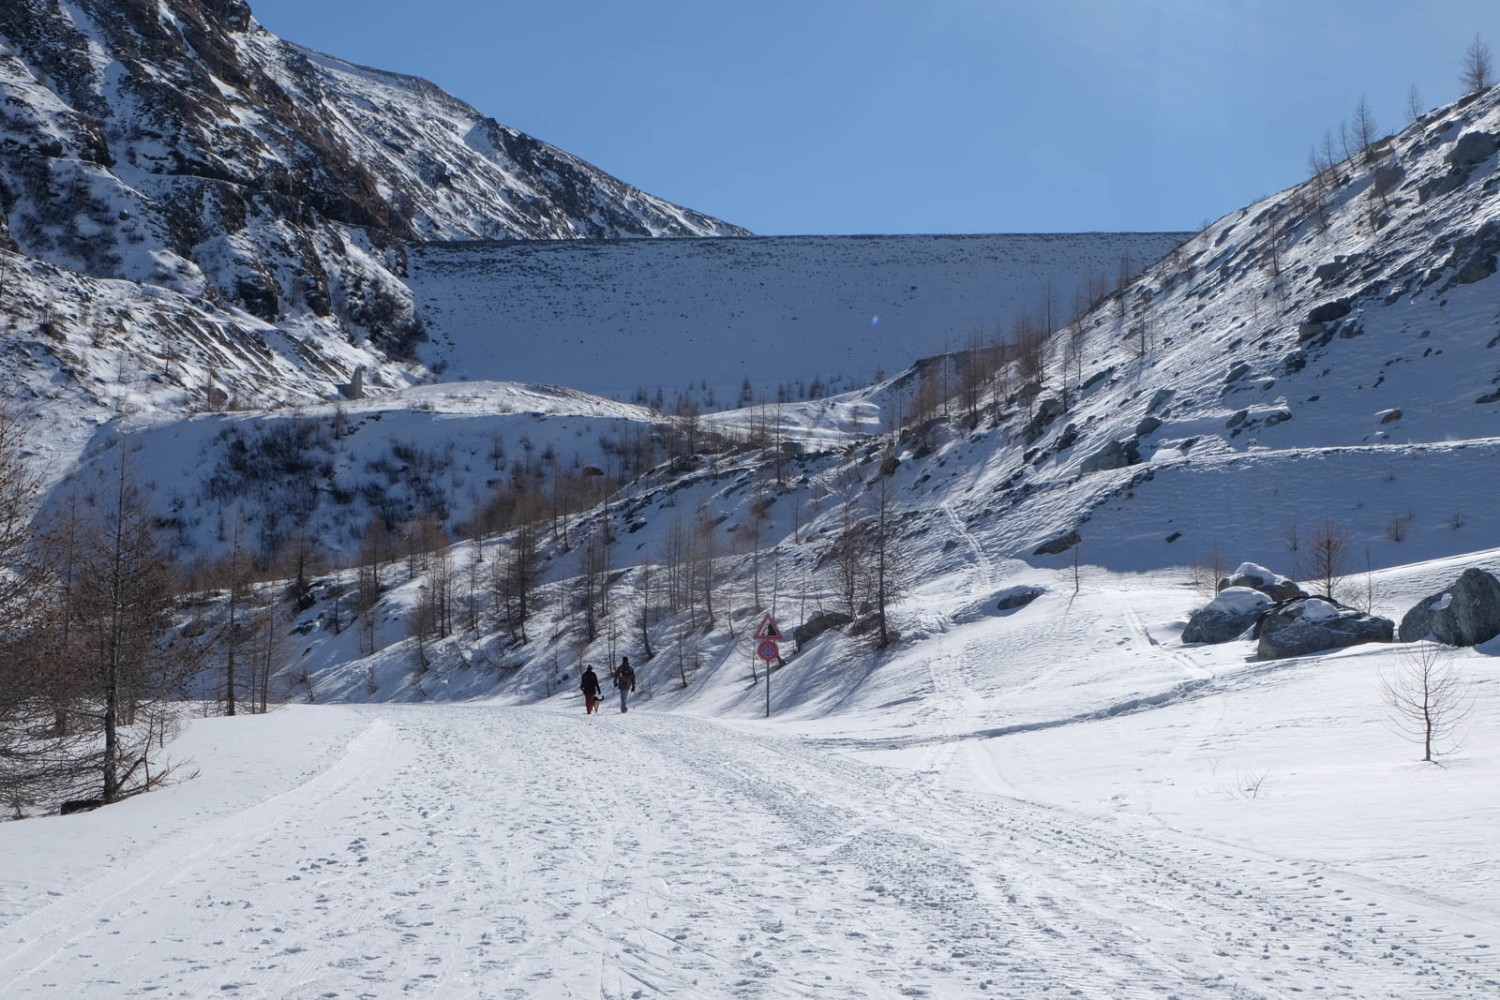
178, 144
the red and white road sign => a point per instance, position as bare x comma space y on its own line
767, 650
768, 630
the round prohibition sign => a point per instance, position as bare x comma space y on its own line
767, 651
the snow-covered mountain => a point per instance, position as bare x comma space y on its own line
195, 213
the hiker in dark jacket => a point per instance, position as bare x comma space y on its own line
590, 687
624, 679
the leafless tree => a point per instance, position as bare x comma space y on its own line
645, 586
1428, 699
705, 555
888, 569
1205, 574
1479, 72
40, 751
1413, 105
1364, 130
1324, 561
845, 559
515, 573
123, 602
235, 576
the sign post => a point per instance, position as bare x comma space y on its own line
766, 638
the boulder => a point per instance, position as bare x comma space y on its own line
1330, 311
1312, 624
1149, 425
817, 625
1060, 543
1017, 597
1257, 577
1465, 614
1228, 616
1114, 455
1471, 149
1048, 410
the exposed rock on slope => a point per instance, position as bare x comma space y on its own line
1312, 624
1464, 614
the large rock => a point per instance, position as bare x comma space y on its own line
1058, 544
1311, 624
1017, 597
817, 625
1048, 410
1228, 616
1257, 577
1114, 455
1464, 614
1471, 149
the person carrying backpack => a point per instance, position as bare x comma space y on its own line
624, 680
590, 688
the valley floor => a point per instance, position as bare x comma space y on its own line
492, 851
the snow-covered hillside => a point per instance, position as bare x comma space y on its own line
792, 316
196, 214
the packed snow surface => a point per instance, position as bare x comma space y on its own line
1057, 799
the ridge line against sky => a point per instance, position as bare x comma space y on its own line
813, 117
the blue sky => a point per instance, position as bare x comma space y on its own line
923, 116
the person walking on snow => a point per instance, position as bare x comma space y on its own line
590, 687
624, 680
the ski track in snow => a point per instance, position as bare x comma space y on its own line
466, 851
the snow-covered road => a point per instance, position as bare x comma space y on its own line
476, 851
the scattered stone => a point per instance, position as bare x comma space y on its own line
1237, 372
1465, 614
1389, 416
1161, 398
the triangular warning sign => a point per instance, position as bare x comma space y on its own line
768, 629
